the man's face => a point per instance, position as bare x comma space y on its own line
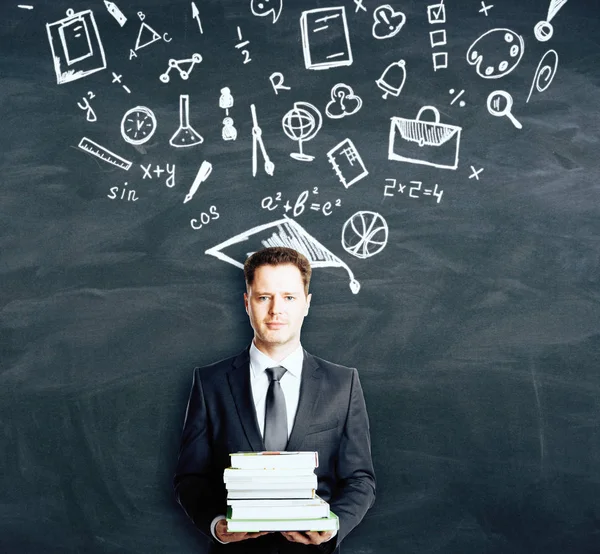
276, 305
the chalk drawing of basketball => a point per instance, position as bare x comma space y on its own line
364, 234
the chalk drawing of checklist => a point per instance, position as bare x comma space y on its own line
76, 47
325, 38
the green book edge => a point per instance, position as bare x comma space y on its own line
331, 516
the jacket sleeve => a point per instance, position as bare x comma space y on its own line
355, 491
197, 485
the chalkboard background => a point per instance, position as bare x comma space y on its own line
475, 331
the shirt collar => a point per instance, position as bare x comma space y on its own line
260, 361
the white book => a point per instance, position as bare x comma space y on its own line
310, 508
272, 493
236, 473
283, 502
308, 481
274, 460
330, 523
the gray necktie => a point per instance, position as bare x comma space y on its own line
275, 412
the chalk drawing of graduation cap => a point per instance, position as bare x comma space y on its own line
283, 232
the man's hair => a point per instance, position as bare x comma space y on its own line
278, 255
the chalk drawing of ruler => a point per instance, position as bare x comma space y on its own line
104, 153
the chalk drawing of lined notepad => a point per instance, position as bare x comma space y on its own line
325, 38
347, 163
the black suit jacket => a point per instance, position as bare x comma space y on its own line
331, 419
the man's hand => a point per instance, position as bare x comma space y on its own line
225, 536
308, 537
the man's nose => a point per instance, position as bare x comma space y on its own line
276, 305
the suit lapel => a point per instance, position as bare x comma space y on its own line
309, 396
239, 382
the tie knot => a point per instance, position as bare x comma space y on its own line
275, 373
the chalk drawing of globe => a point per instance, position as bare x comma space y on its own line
298, 124
302, 123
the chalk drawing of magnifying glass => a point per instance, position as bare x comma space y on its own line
494, 105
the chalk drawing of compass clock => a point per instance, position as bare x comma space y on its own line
138, 125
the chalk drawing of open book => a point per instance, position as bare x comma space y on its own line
283, 232
424, 142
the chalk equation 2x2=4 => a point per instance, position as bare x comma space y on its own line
413, 189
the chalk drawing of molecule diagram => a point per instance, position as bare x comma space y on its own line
177, 64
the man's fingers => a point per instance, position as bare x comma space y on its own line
296, 536
320, 536
257, 534
308, 537
235, 536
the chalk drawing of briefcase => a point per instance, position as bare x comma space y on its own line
424, 142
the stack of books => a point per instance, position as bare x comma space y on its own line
275, 491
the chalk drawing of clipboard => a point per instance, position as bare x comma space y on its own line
424, 142
77, 50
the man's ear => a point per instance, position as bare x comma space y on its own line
246, 302
308, 299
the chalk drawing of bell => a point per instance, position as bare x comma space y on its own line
392, 79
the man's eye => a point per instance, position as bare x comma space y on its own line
290, 298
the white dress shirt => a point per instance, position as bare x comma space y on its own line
259, 383
290, 383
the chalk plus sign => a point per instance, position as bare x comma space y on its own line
158, 171
484, 9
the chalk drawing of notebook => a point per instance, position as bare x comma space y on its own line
325, 38
347, 163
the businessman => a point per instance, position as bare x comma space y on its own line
275, 396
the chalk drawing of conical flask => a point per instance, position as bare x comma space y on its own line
185, 134
392, 79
